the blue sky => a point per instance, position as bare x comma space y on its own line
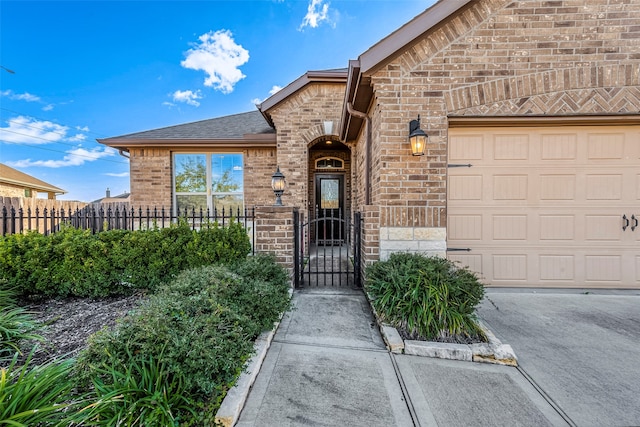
89, 69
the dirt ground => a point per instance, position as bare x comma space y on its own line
68, 323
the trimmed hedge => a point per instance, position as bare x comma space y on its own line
201, 327
74, 262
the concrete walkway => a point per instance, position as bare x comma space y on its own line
328, 366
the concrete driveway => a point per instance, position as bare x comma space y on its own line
581, 349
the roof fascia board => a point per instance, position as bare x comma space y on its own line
394, 43
296, 85
253, 141
50, 189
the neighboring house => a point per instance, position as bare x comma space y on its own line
117, 199
14, 183
531, 171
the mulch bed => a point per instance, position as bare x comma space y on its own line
67, 323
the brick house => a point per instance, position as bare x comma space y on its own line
530, 174
14, 183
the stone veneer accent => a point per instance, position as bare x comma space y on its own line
427, 240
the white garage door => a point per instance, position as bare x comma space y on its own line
546, 206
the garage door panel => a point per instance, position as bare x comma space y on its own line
604, 187
510, 187
609, 146
559, 146
557, 268
603, 268
557, 227
511, 147
557, 187
465, 187
603, 228
511, 267
466, 148
470, 261
543, 207
509, 227
465, 227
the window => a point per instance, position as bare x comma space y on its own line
209, 181
27, 192
329, 163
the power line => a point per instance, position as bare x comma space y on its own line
47, 120
63, 152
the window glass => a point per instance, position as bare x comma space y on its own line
226, 173
329, 163
191, 203
191, 173
209, 181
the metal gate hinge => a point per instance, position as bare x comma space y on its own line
454, 165
458, 249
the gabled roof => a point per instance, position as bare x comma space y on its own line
15, 177
245, 129
338, 75
359, 91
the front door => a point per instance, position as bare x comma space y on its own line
329, 209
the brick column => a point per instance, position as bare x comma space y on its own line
370, 234
274, 233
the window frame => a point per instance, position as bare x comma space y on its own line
209, 194
323, 168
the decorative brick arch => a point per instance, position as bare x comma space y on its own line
583, 90
321, 131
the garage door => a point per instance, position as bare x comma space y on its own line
546, 206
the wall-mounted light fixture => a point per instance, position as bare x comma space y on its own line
277, 184
417, 138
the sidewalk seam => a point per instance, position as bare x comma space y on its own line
546, 397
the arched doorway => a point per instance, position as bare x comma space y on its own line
329, 186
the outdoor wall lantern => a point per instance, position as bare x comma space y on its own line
417, 138
277, 184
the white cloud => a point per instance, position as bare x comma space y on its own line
275, 89
20, 96
82, 128
23, 129
219, 56
47, 107
187, 96
77, 138
317, 12
75, 157
117, 175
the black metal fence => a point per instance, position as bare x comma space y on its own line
98, 219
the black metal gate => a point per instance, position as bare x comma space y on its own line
327, 250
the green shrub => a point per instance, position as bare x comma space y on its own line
16, 324
35, 395
76, 262
200, 326
428, 297
141, 393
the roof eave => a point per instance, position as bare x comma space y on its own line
248, 141
395, 42
48, 189
334, 76
359, 92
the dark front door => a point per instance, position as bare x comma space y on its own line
329, 209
